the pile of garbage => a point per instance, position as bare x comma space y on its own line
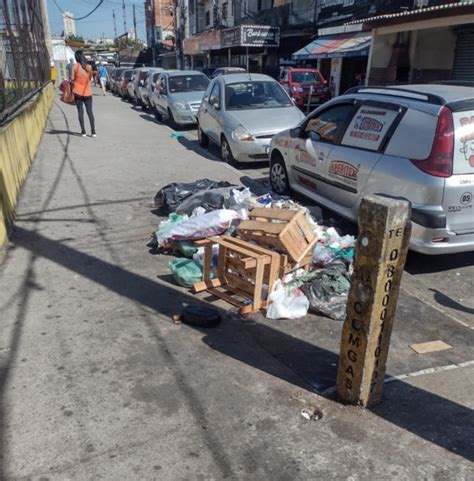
205, 208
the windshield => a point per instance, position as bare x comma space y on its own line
188, 83
255, 95
155, 77
306, 77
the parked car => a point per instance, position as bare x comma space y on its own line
110, 71
414, 142
300, 82
125, 79
242, 112
149, 86
226, 71
178, 95
133, 84
140, 87
116, 79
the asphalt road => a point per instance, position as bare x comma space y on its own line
97, 382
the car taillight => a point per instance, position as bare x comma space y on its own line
440, 161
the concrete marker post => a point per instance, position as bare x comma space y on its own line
382, 246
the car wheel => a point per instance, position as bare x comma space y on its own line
226, 153
171, 121
202, 138
279, 176
158, 116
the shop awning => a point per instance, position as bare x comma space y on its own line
343, 45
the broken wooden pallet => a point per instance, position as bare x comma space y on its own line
246, 273
286, 231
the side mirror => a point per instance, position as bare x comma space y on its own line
216, 105
314, 136
296, 132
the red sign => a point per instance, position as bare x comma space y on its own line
343, 169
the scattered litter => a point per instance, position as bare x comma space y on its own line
287, 303
256, 250
176, 135
186, 272
431, 346
176, 318
312, 413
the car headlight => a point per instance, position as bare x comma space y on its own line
180, 106
242, 134
297, 89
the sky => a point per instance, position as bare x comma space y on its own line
100, 23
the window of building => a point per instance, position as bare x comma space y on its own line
208, 17
225, 10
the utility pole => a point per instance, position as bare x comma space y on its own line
134, 23
124, 17
153, 33
115, 23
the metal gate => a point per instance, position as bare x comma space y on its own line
24, 58
463, 68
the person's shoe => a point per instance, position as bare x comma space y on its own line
83, 134
94, 136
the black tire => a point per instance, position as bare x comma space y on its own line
171, 121
201, 316
203, 139
158, 116
279, 175
226, 152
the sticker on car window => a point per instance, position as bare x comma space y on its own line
369, 127
464, 142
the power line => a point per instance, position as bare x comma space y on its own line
79, 18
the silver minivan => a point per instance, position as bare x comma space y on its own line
414, 142
177, 96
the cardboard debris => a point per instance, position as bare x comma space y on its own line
431, 346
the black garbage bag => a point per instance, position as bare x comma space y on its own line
208, 199
170, 197
327, 291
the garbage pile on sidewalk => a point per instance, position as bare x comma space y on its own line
263, 252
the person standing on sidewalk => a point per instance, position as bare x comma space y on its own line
81, 77
103, 76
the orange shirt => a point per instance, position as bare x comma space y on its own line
82, 80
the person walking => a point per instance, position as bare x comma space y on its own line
103, 76
70, 66
81, 77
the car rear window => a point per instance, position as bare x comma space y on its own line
368, 127
463, 142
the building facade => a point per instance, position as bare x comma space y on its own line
160, 28
69, 25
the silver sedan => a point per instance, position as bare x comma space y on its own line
242, 112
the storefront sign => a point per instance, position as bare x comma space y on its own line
251, 36
381, 252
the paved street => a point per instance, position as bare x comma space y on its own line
98, 383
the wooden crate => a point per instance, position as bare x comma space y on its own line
246, 273
286, 231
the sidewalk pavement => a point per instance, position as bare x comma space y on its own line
98, 383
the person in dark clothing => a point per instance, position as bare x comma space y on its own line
81, 76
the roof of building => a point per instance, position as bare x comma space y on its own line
412, 15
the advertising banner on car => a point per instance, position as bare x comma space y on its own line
369, 127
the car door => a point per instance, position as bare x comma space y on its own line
161, 95
352, 161
311, 150
214, 112
204, 108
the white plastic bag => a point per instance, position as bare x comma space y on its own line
287, 303
199, 227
